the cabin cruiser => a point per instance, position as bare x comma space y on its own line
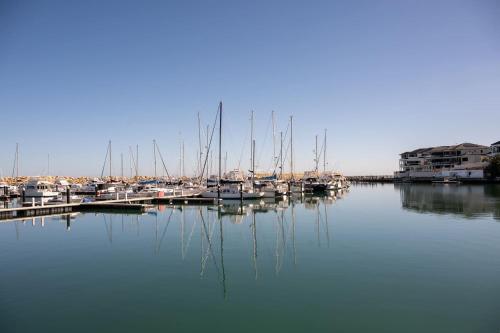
39, 188
271, 188
334, 180
156, 191
313, 183
89, 188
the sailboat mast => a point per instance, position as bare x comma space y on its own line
291, 147
281, 154
180, 156
130, 159
324, 153
199, 144
210, 164
137, 162
220, 156
48, 164
121, 164
109, 159
316, 154
225, 163
154, 155
17, 160
274, 138
251, 141
253, 166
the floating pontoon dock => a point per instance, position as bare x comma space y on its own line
139, 205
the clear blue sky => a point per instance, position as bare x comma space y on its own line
382, 76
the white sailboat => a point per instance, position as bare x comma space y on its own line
232, 191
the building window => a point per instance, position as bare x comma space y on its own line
465, 159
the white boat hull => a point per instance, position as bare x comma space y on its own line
232, 195
38, 194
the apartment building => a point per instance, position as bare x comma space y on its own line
495, 149
465, 156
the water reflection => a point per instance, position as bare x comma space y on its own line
469, 201
269, 227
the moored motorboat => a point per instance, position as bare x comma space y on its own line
231, 193
62, 200
39, 188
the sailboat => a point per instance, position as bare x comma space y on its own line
232, 190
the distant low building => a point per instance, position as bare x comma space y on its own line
443, 160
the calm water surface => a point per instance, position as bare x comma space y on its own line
386, 258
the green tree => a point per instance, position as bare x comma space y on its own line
493, 168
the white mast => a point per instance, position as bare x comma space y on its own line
316, 155
110, 160
251, 142
253, 166
199, 145
324, 153
154, 155
225, 163
15, 167
137, 162
281, 154
220, 157
274, 138
291, 147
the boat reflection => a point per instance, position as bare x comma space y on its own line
468, 201
270, 224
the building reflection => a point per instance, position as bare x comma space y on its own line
469, 201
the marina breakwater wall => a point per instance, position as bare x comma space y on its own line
370, 179
427, 177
